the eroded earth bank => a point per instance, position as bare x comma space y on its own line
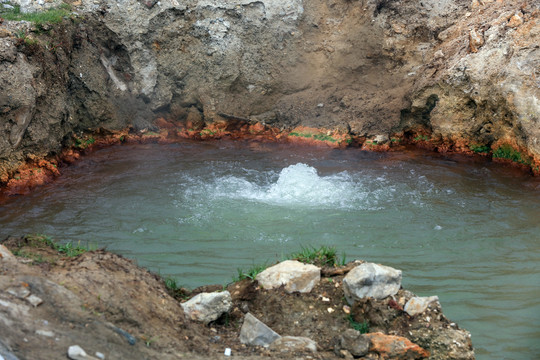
53, 298
451, 76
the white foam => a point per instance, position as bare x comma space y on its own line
298, 184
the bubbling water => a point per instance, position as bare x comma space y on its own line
297, 184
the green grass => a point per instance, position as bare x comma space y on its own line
421, 138
36, 258
320, 137
83, 144
508, 152
250, 273
207, 132
322, 256
305, 135
171, 284
69, 249
479, 149
363, 327
174, 289
51, 16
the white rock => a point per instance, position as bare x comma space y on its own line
255, 332
418, 305
295, 275
371, 280
75, 352
34, 300
207, 307
381, 139
21, 292
294, 343
46, 333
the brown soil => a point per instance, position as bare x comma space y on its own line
101, 301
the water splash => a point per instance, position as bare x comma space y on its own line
296, 185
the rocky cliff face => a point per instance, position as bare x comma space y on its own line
453, 75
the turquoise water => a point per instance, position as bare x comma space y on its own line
467, 232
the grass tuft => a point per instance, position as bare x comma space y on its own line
479, 149
51, 16
363, 327
322, 256
69, 249
250, 273
320, 137
509, 153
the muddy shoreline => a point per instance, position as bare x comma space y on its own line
40, 171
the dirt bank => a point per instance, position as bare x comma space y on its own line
105, 303
451, 76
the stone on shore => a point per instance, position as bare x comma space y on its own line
4, 252
418, 305
255, 332
295, 275
352, 341
293, 343
371, 280
395, 347
207, 307
75, 352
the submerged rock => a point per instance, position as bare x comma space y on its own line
207, 307
295, 275
371, 280
255, 332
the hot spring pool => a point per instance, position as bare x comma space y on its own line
467, 232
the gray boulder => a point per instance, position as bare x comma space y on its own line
207, 307
294, 343
371, 280
353, 342
295, 275
255, 332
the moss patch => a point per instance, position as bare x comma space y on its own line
509, 153
319, 137
479, 149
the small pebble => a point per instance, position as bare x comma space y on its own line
76, 352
